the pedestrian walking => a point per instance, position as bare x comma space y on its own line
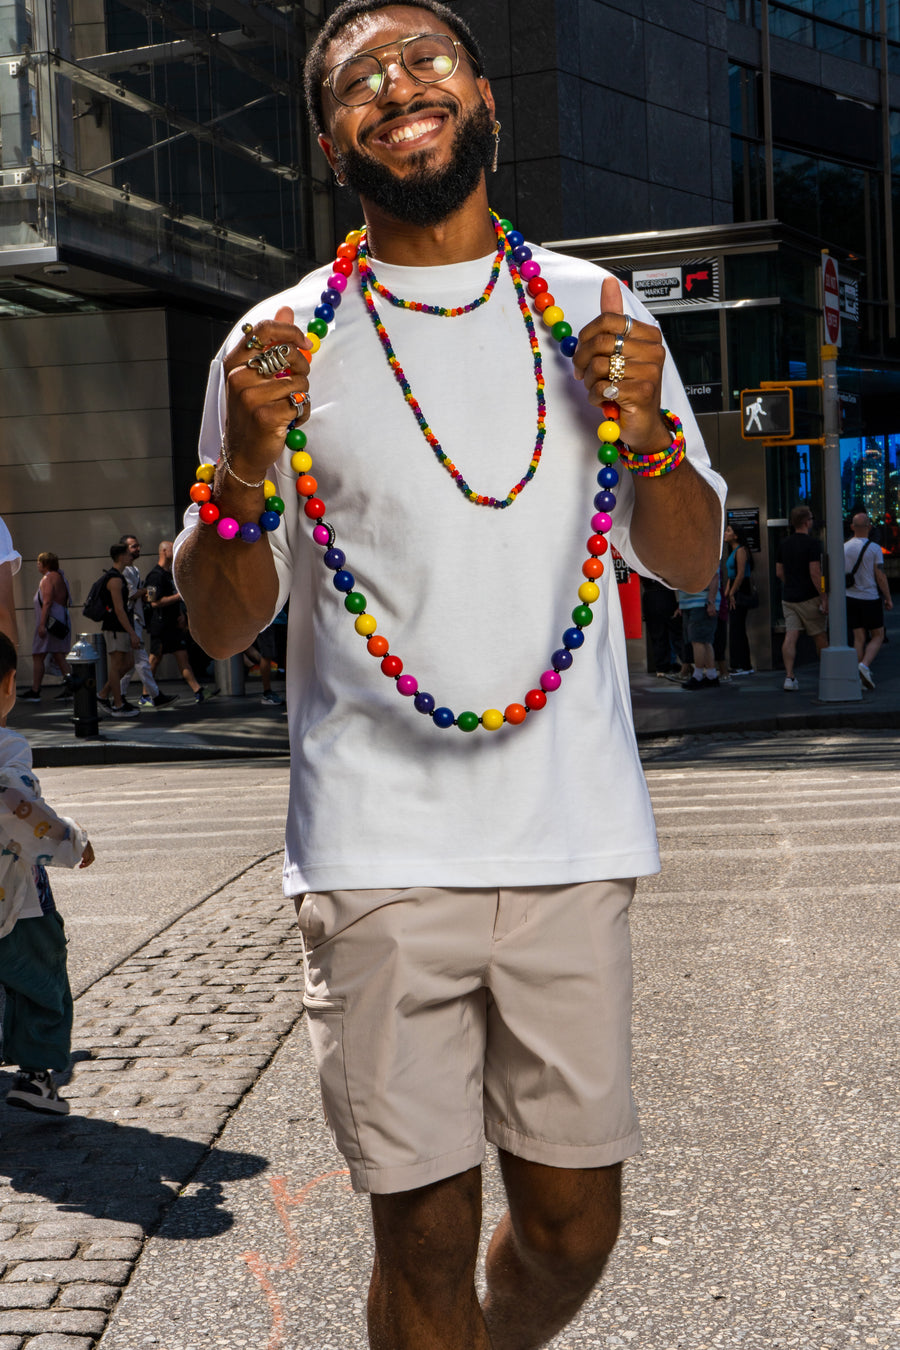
700, 616
119, 634
168, 627
799, 569
151, 694
868, 595
37, 1018
458, 873
741, 596
52, 625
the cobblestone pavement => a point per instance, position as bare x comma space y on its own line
165, 1047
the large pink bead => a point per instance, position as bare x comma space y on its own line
337, 282
601, 523
408, 685
550, 680
227, 528
322, 535
530, 269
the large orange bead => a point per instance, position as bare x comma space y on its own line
306, 485
200, 492
515, 714
378, 645
592, 568
543, 301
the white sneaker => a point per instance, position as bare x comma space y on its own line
865, 675
791, 684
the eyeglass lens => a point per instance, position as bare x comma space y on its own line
428, 59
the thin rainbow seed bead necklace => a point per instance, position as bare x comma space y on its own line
504, 251
521, 265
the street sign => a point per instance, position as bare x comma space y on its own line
831, 292
767, 414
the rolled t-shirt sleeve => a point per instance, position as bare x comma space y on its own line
675, 400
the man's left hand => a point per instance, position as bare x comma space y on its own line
640, 388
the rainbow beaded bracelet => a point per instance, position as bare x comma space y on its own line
661, 461
226, 526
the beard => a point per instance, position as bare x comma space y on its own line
425, 196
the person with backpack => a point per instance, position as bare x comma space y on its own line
868, 595
121, 638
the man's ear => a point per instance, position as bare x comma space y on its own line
487, 95
327, 150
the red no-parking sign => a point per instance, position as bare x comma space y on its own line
832, 300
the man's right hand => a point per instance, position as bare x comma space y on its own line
135, 642
258, 409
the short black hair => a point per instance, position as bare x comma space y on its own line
116, 551
9, 657
314, 70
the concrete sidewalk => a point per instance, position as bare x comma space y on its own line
244, 727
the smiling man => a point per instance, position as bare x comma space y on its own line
468, 813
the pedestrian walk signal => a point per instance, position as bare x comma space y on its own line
767, 414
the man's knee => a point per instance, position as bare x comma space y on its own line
568, 1226
430, 1235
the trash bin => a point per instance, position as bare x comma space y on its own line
83, 660
230, 675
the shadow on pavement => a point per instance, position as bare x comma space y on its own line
96, 1168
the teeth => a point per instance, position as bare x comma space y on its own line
411, 131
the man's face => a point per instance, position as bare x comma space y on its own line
417, 151
134, 548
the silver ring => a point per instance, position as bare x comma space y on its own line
618, 344
272, 361
629, 322
298, 400
611, 391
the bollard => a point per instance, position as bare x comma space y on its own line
230, 675
82, 661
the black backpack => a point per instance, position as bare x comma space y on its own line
97, 605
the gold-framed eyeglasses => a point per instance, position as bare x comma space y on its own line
429, 58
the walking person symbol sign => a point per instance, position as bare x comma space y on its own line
767, 414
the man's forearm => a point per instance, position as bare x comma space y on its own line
676, 527
230, 588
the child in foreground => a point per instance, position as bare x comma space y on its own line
37, 1019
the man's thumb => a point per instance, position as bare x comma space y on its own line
611, 297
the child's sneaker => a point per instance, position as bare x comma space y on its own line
35, 1090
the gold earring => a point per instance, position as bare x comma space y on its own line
496, 147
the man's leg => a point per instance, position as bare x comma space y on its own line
117, 666
422, 1295
187, 673
821, 641
789, 651
549, 1249
872, 647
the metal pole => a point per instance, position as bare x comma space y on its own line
838, 667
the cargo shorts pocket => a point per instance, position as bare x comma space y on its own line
325, 1018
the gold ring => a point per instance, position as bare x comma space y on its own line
616, 368
252, 339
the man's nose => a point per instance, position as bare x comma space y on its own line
397, 80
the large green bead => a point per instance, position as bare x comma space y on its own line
295, 439
275, 504
467, 721
561, 330
355, 602
582, 616
506, 226
607, 454
317, 326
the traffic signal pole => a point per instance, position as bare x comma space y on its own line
839, 665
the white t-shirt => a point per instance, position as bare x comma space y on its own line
864, 587
8, 552
473, 600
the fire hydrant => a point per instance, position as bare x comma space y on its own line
82, 661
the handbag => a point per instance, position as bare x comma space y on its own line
850, 577
56, 628
747, 596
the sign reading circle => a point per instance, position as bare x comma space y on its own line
832, 301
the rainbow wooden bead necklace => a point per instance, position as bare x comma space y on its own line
524, 271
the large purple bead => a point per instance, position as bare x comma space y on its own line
605, 501
562, 659
424, 703
335, 559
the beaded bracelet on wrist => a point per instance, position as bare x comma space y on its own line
661, 461
226, 526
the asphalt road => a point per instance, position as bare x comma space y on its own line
762, 1212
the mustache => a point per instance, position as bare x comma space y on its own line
418, 107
